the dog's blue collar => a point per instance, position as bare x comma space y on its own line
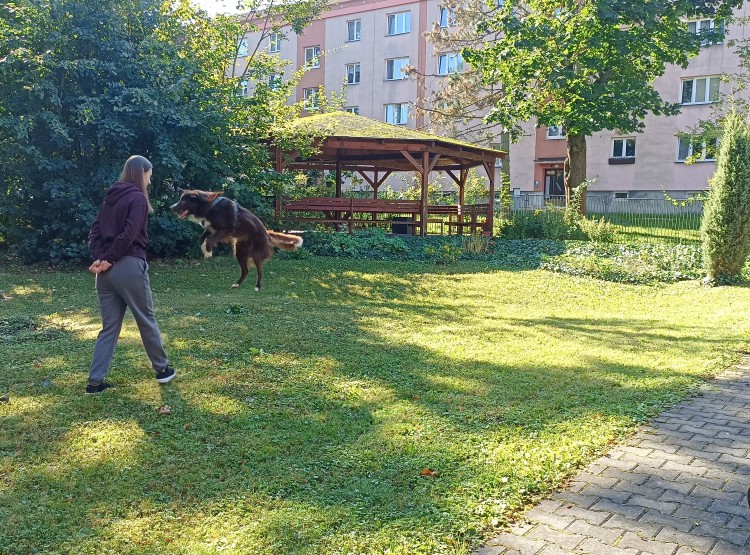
215, 202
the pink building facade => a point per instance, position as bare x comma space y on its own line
640, 165
361, 46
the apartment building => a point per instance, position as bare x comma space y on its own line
364, 46
639, 165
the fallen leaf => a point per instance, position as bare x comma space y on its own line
429, 473
186, 426
165, 409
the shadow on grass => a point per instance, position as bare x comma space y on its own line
323, 436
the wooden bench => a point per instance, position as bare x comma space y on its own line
345, 210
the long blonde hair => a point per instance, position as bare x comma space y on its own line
134, 171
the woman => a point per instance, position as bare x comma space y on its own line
118, 243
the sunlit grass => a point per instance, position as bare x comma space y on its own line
350, 407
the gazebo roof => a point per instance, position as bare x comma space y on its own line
359, 143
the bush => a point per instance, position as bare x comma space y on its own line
599, 231
725, 228
538, 224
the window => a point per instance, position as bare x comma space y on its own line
623, 148
450, 63
352, 74
696, 148
244, 89
447, 17
312, 56
352, 110
394, 67
701, 90
498, 162
311, 99
621, 195
555, 132
399, 23
706, 27
397, 113
274, 80
274, 42
353, 30
242, 49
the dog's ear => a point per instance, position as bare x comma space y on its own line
181, 191
211, 195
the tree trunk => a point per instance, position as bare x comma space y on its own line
574, 170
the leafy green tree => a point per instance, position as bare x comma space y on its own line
86, 83
725, 227
585, 65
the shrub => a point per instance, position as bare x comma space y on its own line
725, 229
538, 224
599, 231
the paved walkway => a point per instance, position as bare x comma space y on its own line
679, 487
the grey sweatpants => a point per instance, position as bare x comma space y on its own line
125, 285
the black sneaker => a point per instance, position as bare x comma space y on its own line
98, 388
163, 376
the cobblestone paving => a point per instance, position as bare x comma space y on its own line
679, 487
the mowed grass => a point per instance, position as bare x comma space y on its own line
349, 407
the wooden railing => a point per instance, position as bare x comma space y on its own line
358, 211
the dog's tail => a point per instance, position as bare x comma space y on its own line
285, 241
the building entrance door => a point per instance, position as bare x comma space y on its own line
554, 184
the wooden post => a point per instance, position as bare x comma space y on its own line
425, 193
461, 186
338, 190
277, 194
490, 226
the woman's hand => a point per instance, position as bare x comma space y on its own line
100, 266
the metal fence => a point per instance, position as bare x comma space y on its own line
633, 219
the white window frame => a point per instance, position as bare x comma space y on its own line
708, 81
312, 57
353, 70
698, 26
692, 143
244, 88
399, 113
447, 17
353, 30
449, 63
623, 148
311, 98
274, 42
393, 67
555, 132
352, 110
398, 23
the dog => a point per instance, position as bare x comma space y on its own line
225, 221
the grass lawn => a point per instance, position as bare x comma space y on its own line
656, 228
349, 407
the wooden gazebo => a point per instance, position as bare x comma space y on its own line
375, 150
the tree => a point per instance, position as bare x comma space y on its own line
586, 65
86, 83
725, 227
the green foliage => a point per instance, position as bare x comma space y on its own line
371, 243
598, 230
443, 254
725, 228
81, 91
642, 263
600, 72
539, 224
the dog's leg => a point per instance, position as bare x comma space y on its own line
204, 247
258, 260
242, 253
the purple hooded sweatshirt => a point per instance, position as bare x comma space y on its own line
120, 226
